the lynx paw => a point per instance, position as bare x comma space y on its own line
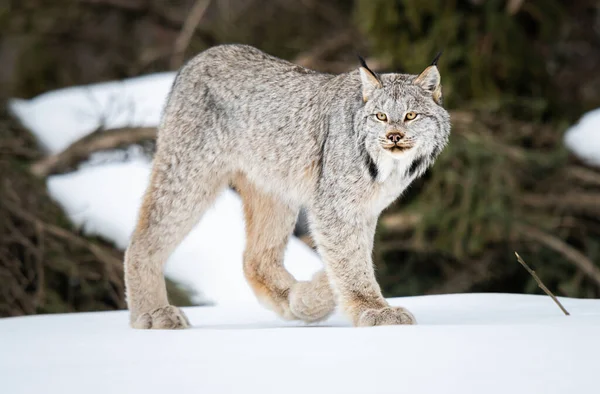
311, 303
386, 316
165, 318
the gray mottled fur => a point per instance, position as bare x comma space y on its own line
285, 137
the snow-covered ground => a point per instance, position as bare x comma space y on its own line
103, 199
477, 343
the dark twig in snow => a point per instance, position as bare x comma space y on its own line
541, 284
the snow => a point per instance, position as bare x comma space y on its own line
583, 139
476, 343
103, 197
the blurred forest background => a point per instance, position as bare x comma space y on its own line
515, 73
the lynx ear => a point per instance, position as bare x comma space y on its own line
430, 80
370, 80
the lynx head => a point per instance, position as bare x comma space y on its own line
403, 113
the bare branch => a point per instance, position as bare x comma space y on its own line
326, 48
109, 139
464, 278
578, 259
580, 202
187, 32
399, 222
111, 261
513, 6
584, 175
541, 284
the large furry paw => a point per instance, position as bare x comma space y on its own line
166, 318
311, 303
390, 315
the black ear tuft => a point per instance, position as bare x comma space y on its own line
369, 80
362, 61
363, 64
436, 58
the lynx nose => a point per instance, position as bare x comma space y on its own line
395, 137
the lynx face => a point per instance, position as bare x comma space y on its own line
403, 113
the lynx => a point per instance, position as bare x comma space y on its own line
342, 146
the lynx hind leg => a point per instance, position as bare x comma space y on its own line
173, 204
269, 224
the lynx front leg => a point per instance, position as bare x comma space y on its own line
269, 224
346, 245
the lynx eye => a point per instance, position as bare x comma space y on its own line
410, 115
381, 116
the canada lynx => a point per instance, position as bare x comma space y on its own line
343, 146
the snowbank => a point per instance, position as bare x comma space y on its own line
103, 197
583, 139
61, 117
477, 343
